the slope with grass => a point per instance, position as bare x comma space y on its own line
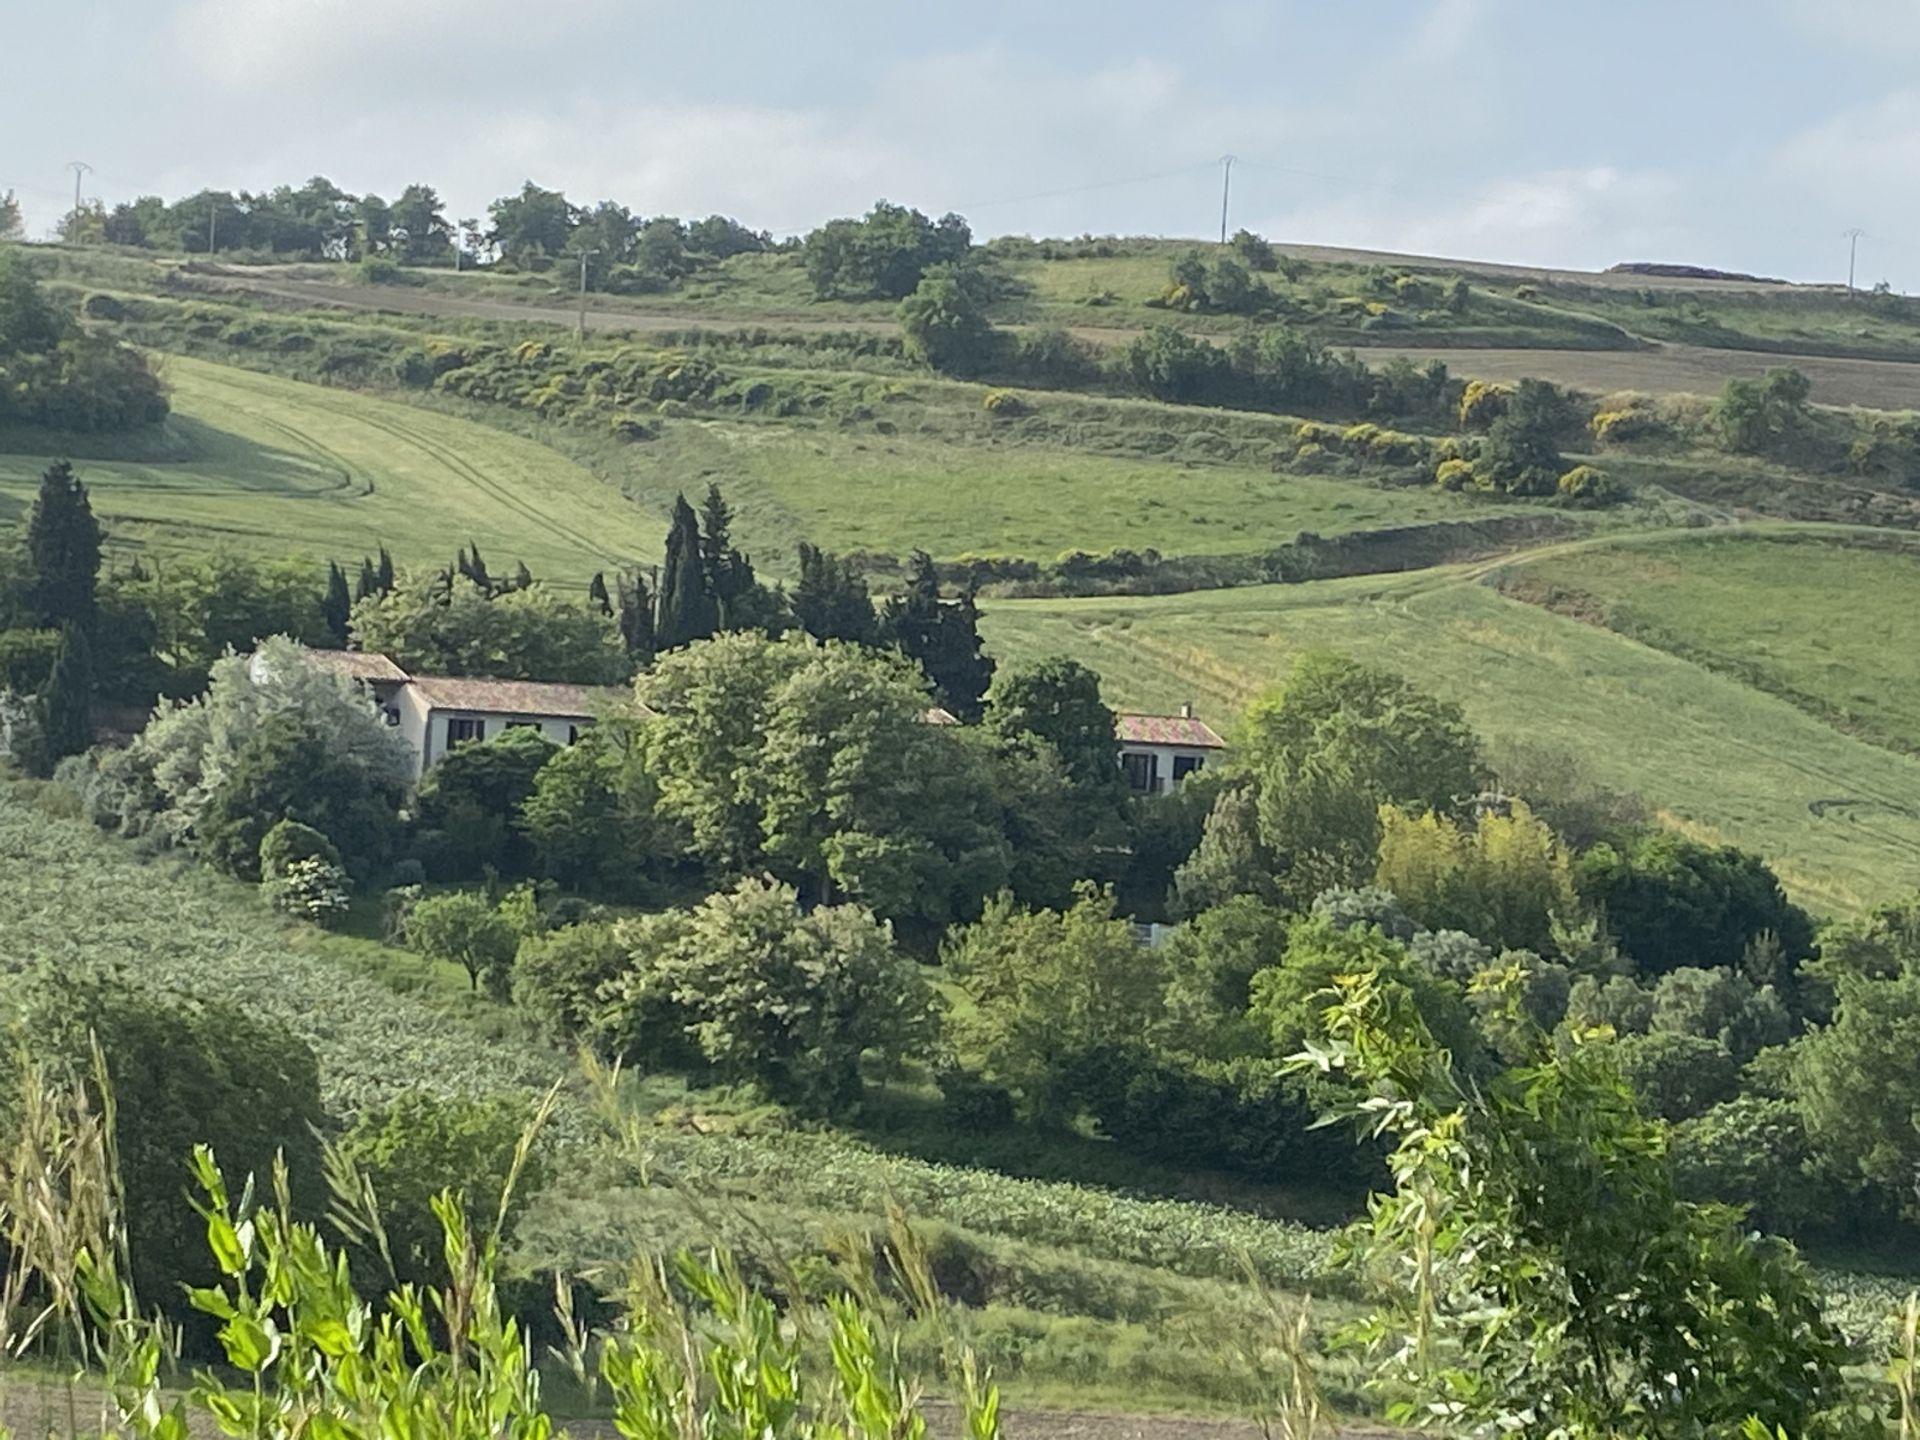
1837, 816
272, 467
1827, 620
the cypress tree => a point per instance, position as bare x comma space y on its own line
831, 600
63, 548
66, 701
338, 605
687, 608
636, 618
369, 583
383, 575
943, 637
522, 577
597, 593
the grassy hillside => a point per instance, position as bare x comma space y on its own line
1839, 817
1831, 623
273, 467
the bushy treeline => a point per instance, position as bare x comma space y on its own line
55, 374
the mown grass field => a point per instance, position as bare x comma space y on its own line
1839, 817
273, 467
1828, 622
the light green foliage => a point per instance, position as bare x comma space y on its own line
590, 815
311, 889
1589, 486
1231, 859
1050, 991
1330, 746
438, 626
1546, 1281
471, 802
465, 928
1754, 415
1753, 1152
419, 1146
769, 995
883, 255
1057, 701
54, 374
558, 974
1505, 880
1290, 997
192, 749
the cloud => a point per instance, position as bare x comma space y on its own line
271, 44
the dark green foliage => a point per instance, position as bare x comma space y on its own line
740, 601
830, 600
29, 324
532, 227
26, 659
57, 375
1670, 901
420, 1145
883, 255
1210, 964
66, 704
1254, 251
557, 978
1057, 702
1754, 415
63, 549
945, 321
284, 772
1858, 1089
473, 797
1678, 1077
183, 1074
1522, 449
1753, 1153
1229, 858
687, 608
636, 618
337, 608
942, 636
289, 841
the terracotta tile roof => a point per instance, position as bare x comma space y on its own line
356, 665
1181, 730
517, 697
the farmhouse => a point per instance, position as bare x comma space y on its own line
382, 678
1157, 752
439, 712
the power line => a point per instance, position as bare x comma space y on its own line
1226, 187
79, 168
1852, 236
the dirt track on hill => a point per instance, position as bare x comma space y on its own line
1879, 384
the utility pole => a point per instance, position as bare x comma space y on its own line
585, 255
213, 216
79, 168
1853, 245
1226, 187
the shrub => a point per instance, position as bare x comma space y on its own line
1482, 403
1005, 405
465, 929
310, 889
1621, 427
973, 1105
290, 841
1752, 1152
1586, 486
557, 977
378, 270
1454, 475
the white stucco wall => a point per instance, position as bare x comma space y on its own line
1164, 756
426, 730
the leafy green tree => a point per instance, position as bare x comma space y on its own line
558, 977
63, 549
1753, 1153
457, 625
1671, 901
1505, 880
1168, 364
1057, 701
1254, 251
688, 611
1050, 991
883, 255
11, 227
1331, 746
473, 798
191, 749
590, 816
531, 227
859, 795
419, 1146
1522, 449
1858, 1090
1231, 858
945, 321
787, 1000
1289, 998
1753, 415
1210, 964
283, 770
67, 701
418, 224
29, 323
1677, 1077
464, 928
1545, 1278
943, 636
831, 601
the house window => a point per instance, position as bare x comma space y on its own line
574, 732
1142, 769
459, 732
1185, 765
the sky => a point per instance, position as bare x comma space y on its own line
1744, 134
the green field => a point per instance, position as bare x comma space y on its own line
272, 467
1832, 626
1837, 816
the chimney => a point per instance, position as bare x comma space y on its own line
1186, 709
